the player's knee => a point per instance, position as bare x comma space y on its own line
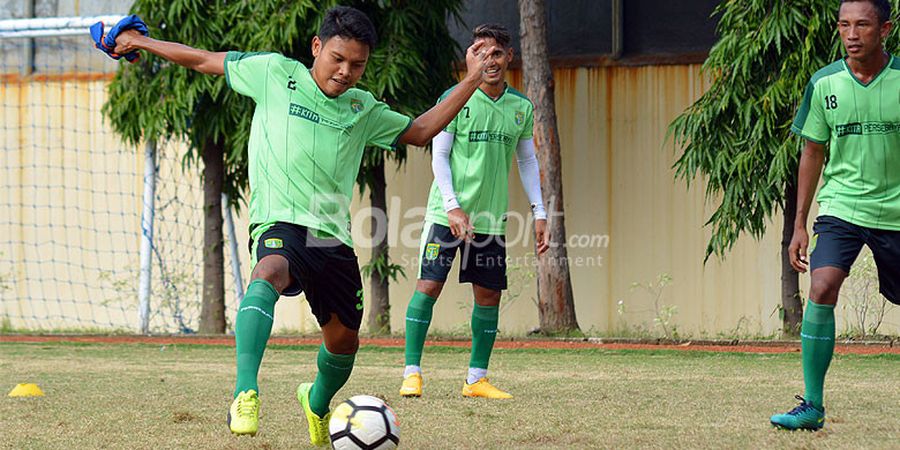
274, 269
430, 288
487, 297
344, 345
825, 289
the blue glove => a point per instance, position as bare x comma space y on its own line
108, 44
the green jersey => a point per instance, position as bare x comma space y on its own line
486, 133
305, 147
861, 124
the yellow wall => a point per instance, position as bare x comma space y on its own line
618, 185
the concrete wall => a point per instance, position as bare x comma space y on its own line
628, 220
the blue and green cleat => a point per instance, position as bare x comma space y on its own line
803, 417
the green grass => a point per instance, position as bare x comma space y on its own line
176, 396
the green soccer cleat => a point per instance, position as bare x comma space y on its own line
803, 417
243, 417
318, 427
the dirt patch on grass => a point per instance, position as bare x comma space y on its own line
865, 348
183, 416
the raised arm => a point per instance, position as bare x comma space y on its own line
210, 63
427, 126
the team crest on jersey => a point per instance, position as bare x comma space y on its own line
356, 106
431, 251
274, 243
520, 117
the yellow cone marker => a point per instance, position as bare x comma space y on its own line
26, 390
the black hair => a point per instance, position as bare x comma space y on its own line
495, 31
882, 8
349, 23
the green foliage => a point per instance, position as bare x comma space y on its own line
860, 296
158, 100
737, 135
382, 266
662, 313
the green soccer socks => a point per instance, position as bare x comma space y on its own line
334, 371
484, 332
251, 332
817, 343
418, 318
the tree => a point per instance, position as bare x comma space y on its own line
409, 70
556, 304
737, 135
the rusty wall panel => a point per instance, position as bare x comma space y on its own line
619, 183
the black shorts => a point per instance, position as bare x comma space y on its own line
325, 269
837, 243
483, 260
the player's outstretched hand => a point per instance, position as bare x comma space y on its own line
108, 40
125, 41
459, 224
541, 236
477, 58
797, 250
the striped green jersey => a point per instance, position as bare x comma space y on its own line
861, 125
486, 133
305, 147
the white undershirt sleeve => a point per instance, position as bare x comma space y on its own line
530, 176
440, 165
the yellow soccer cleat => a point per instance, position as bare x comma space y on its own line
243, 417
412, 386
482, 388
318, 427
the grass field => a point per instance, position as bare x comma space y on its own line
176, 396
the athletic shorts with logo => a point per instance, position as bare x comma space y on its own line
482, 260
837, 243
327, 270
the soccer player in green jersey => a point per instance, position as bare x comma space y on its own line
467, 212
308, 133
852, 106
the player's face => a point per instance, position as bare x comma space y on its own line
495, 72
339, 64
861, 32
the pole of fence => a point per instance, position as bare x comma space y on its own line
145, 290
28, 48
233, 245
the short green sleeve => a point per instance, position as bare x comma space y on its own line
246, 72
451, 127
810, 122
528, 131
385, 126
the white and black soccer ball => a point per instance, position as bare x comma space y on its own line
364, 423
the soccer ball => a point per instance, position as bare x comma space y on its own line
364, 423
